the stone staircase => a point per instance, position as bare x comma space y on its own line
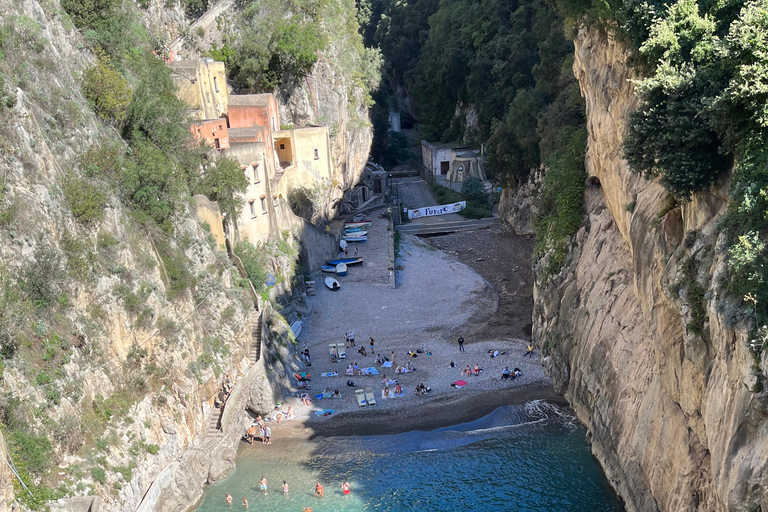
254, 353
419, 228
213, 424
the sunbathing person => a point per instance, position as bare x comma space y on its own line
398, 390
385, 392
336, 394
379, 360
399, 369
409, 367
506, 374
476, 371
362, 351
305, 399
466, 372
384, 380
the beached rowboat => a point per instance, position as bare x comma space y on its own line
347, 261
341, 269
355, 234
357, 224
356, 239
296, 328
330, 269
332, 284
352, 230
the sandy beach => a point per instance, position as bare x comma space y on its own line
437, 299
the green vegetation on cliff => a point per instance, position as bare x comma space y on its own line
495, 72
703, 68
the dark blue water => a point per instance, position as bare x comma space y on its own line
524, 458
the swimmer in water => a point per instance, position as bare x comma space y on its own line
285, 487
245, 502
319, 491
263, 484
345, 487
229, 499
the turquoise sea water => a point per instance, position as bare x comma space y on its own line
523, 458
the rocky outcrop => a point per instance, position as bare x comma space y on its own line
328, 97
518, 207
668, 401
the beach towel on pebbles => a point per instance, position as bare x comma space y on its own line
369, 371
387, 364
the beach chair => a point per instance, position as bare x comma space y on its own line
369, 396
360, 397
341, 350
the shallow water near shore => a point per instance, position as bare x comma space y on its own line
530, 457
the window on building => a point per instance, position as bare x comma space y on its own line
216, 144
317, 154
263, 204
199, 132
252, 207
216, 84
256, 173
274, 201
274, 125
282, 146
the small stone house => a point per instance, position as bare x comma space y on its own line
201, 84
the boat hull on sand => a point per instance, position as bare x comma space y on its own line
332, 284
347, 261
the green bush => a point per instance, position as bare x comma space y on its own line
224, 183
107, 90
176, 266
473, 189
252, 259
152, 449
41, 276
99, 474
86, 200
561, 202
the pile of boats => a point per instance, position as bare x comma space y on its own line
354, 230
338, 267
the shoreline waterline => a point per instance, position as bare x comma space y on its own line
532, 454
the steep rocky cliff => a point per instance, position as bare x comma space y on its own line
115, 336
636, 330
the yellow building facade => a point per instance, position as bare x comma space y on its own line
201, 84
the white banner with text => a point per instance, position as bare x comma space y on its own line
443, 209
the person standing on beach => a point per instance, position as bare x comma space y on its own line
346, 340
371, 342
345, 487
461, 344
319, 491
351, 338
285, 487
268, 434
355, 253
530, 350
263, 484
343, 246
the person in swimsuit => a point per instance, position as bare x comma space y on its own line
228, 499
319, 491
245, 502
285, 487
345, 487
263, 484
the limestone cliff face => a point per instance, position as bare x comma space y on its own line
671, 414
328, 97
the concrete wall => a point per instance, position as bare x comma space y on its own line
432, 155
257, 219
307, 171
202, 85
211, 131
208, 211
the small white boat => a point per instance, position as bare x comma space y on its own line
341, 269
332, 284
355, 234
296, 328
